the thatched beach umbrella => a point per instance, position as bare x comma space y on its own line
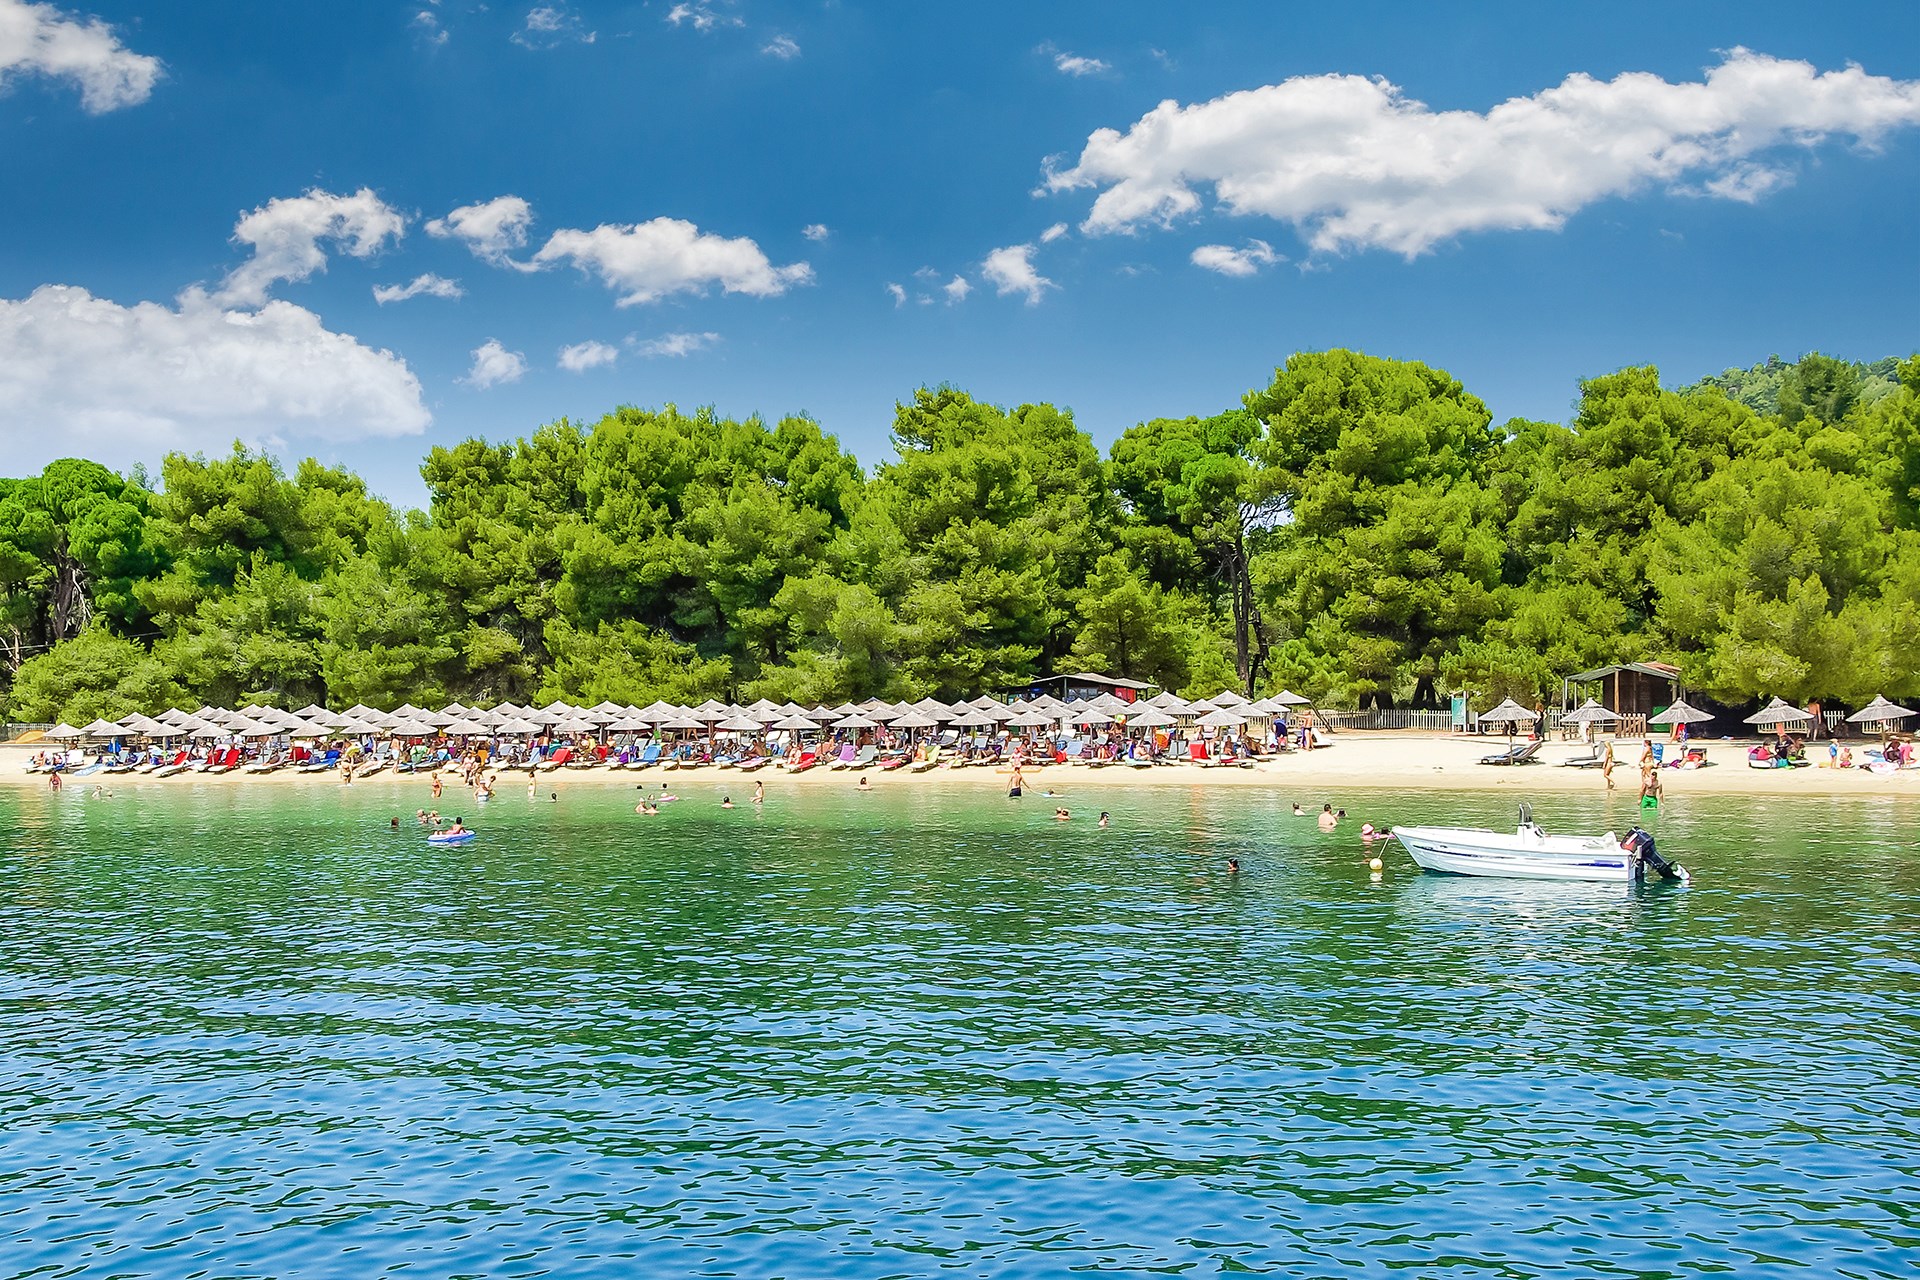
1879, 711
1779, 712
1511, 712
1680, 713
64, 732
1152, 718
1589, 712
1222, 718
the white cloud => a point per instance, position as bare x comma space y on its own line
1354, 163
654, 260
582, 356
898, 294
673, 344
1229, 261
1011, 271
956, 289
785, 48
38, 39
493, 364
492, 229
816, 231
286, 234
703, 15
550, 25
86, 376
1053, 233
421, 286
1074, 65
426, 25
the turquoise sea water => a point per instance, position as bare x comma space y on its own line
252, 1032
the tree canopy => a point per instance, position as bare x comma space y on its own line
1359, 529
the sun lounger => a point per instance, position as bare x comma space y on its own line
1522, 754
1593, 761
848, 754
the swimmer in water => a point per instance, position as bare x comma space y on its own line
396, 824
759, 793
1327, 821
1233, 866
1298, 812
1103, 818
864, 785
459, 827
726, 802
647, 807
1061, 815
1019, 781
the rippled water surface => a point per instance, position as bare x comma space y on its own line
249, 1031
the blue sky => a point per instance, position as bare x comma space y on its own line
203, 198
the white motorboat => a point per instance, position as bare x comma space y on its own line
1531, 854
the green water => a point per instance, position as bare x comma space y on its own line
252, 1032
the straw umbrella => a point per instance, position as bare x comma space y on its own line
1879, 711
1511, 712
64, 732
1680, 713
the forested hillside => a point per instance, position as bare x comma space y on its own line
1360, 530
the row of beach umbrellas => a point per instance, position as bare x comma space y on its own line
1224, 710
1774, 714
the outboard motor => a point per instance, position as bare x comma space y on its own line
1640, 842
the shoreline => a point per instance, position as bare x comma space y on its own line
1363, 759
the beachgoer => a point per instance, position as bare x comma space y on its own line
1233, 866
459, 827
1606, 764
1013, 791
553, 797
1104, 819
1061, 815
396, 823
759, 793
53, 779
533, 789
1327, 821
864, 785
1298, 812
436, 784
1650, 784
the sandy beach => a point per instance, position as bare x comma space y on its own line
1360, 760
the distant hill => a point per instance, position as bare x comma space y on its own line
1759, 388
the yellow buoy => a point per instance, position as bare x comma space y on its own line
1375, 865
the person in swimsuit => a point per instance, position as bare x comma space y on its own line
759, 793
1013, 791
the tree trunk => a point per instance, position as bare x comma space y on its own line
1249, 635
71, 609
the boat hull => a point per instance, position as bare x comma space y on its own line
1518, 857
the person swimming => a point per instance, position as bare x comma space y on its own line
1298, 812
1233, 866
1103, 818
726, 802
1061, 815
1327, 820
863, 784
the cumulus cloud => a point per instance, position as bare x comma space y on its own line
956, 289
1354, 163
39, 39
82, 375
492, 229
551, 25
1073, 65
493, 364
673, 345
1011, 270
654, 260
1053, 233
703, 15
816, 231
582, 356
785, 48
426, 25
286, 235
1229, 261
421, 286
897, 293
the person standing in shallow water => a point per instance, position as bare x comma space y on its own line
1019, 781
